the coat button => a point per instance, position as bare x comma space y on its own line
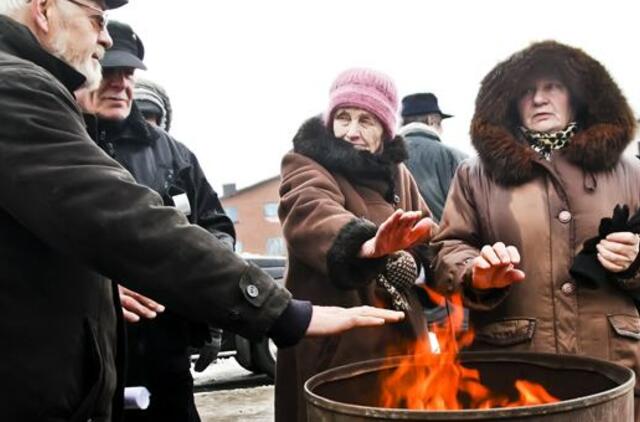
568, 288
252, 290
564, 216
396, 199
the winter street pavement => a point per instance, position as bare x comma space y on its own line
226, 392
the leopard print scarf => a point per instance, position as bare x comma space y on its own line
544, 143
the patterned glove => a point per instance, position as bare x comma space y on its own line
399, 275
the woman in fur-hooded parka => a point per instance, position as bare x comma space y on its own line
333, 198
546, 199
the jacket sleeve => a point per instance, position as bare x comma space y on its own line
209, 213
77, 201
319, 231
457, 244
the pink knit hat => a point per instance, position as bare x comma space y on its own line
369, 90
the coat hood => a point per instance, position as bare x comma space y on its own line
605, 119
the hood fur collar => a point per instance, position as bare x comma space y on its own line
606, 121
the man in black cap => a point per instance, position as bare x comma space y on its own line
158, 349
431, 163
72, 219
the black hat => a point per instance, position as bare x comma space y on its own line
114, 4
422, 103
127, 49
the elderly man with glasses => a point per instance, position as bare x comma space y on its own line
72, 220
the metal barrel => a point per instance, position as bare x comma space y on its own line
590, 390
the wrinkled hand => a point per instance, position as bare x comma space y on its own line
330, 320
495, 267
618, 250
135, 305
402, 230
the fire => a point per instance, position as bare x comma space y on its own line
437, 381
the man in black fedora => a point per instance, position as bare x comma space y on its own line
431, 163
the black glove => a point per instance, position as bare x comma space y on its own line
586, 268
209, 351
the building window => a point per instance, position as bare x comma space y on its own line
270, 210
275, 246
232, 213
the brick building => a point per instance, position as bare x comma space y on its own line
254, 212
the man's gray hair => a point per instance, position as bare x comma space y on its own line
11, 7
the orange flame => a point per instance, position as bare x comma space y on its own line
437, 381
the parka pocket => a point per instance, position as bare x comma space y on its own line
625, 325
507, 332
94, 374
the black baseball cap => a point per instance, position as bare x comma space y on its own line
127, 49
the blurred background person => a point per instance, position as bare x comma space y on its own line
153, 102
432, 163
550, 128
355, 226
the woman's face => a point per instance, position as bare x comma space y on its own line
358, 127
545, 105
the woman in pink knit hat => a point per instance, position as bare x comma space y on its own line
355, 226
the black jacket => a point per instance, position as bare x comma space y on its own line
431, 163
158, 161
157, 351
71, 219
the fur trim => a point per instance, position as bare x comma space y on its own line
346, 270
315, 141
606, 121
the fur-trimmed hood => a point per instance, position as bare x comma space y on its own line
315, 141
606, 121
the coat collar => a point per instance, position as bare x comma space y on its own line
133, 129
420, 128
606, 120
17, 39
315, 141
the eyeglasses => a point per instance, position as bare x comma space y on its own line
100, 19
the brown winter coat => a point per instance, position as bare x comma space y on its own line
547, 209
333, 197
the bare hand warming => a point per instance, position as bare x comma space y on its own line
402, 230
495, 267
135, 305
330, 320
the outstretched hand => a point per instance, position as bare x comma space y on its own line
135, 305
402, 230
495, 267
331, 320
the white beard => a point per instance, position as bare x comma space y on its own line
89, 68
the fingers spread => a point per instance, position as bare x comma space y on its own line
500, 250
514, 255
489, 254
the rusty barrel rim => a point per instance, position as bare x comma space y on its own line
619, 374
